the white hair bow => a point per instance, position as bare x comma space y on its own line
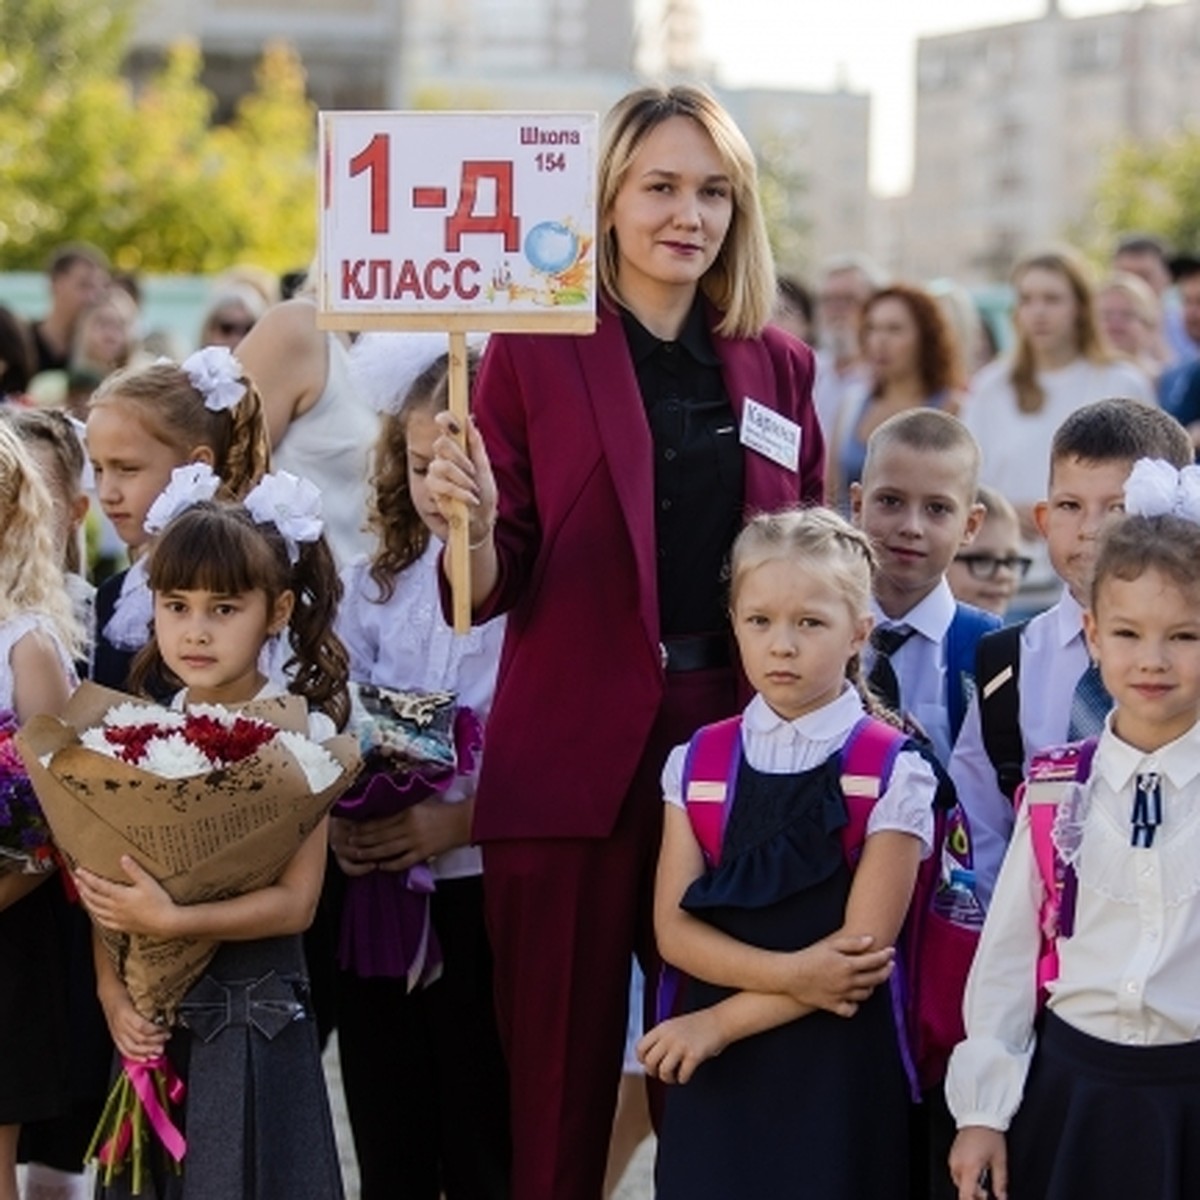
1157, 489
190, 484
129, 626
292, 505
217, 376
386, 365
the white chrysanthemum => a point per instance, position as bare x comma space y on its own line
95, 739
174, 757
143, 714
320, 768
217, 712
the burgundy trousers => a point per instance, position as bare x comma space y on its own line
564, 916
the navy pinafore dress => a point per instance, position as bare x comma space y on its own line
815, 1108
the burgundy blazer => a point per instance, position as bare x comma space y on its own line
581, 676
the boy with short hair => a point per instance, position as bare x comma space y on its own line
1032, 677
916, 502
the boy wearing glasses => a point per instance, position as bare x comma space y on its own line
989, 571
1035, 688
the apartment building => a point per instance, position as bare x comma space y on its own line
1013, 123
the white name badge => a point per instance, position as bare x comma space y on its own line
771, 434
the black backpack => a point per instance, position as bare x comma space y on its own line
997, 672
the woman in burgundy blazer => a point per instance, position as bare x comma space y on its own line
603, 671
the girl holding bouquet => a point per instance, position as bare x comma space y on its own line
445, 1131
142, 424
224, 579
38, 638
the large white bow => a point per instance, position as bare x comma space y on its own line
1157, 489
291, 504
217, 376
189, 485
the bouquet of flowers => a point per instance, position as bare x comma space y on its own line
413, 744
211, 802
25, 842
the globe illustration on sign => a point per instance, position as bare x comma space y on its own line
551, 247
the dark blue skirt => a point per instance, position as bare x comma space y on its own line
256, 1110
1102, 1121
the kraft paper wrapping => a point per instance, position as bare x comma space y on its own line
206, 837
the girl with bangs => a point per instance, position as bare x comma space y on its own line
1080, 1070
226, 579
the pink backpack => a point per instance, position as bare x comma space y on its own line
1051, 773
941, 931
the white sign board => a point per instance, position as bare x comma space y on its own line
458, 220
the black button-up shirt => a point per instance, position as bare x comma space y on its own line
698, 471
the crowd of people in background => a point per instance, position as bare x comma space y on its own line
952, 472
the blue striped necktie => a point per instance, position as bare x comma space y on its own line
1089, 705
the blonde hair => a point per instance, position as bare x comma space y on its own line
51, 429
173, 412
31, 577
1089, 344
741, 280
839, 552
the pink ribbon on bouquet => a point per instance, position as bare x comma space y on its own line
144, 1076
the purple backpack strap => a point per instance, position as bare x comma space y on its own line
709, 775
1051, 772
868, 755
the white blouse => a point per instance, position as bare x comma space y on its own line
11, 632
1130, 972
777, 746
406, 643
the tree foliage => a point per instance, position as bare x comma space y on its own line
783, 187
146, 175
1151, 187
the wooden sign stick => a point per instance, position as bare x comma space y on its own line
460, 528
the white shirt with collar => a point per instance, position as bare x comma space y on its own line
1053, 657
777, 746
920, 664
1130, 972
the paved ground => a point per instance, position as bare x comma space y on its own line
636, 1185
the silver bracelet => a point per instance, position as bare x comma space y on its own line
483, 541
